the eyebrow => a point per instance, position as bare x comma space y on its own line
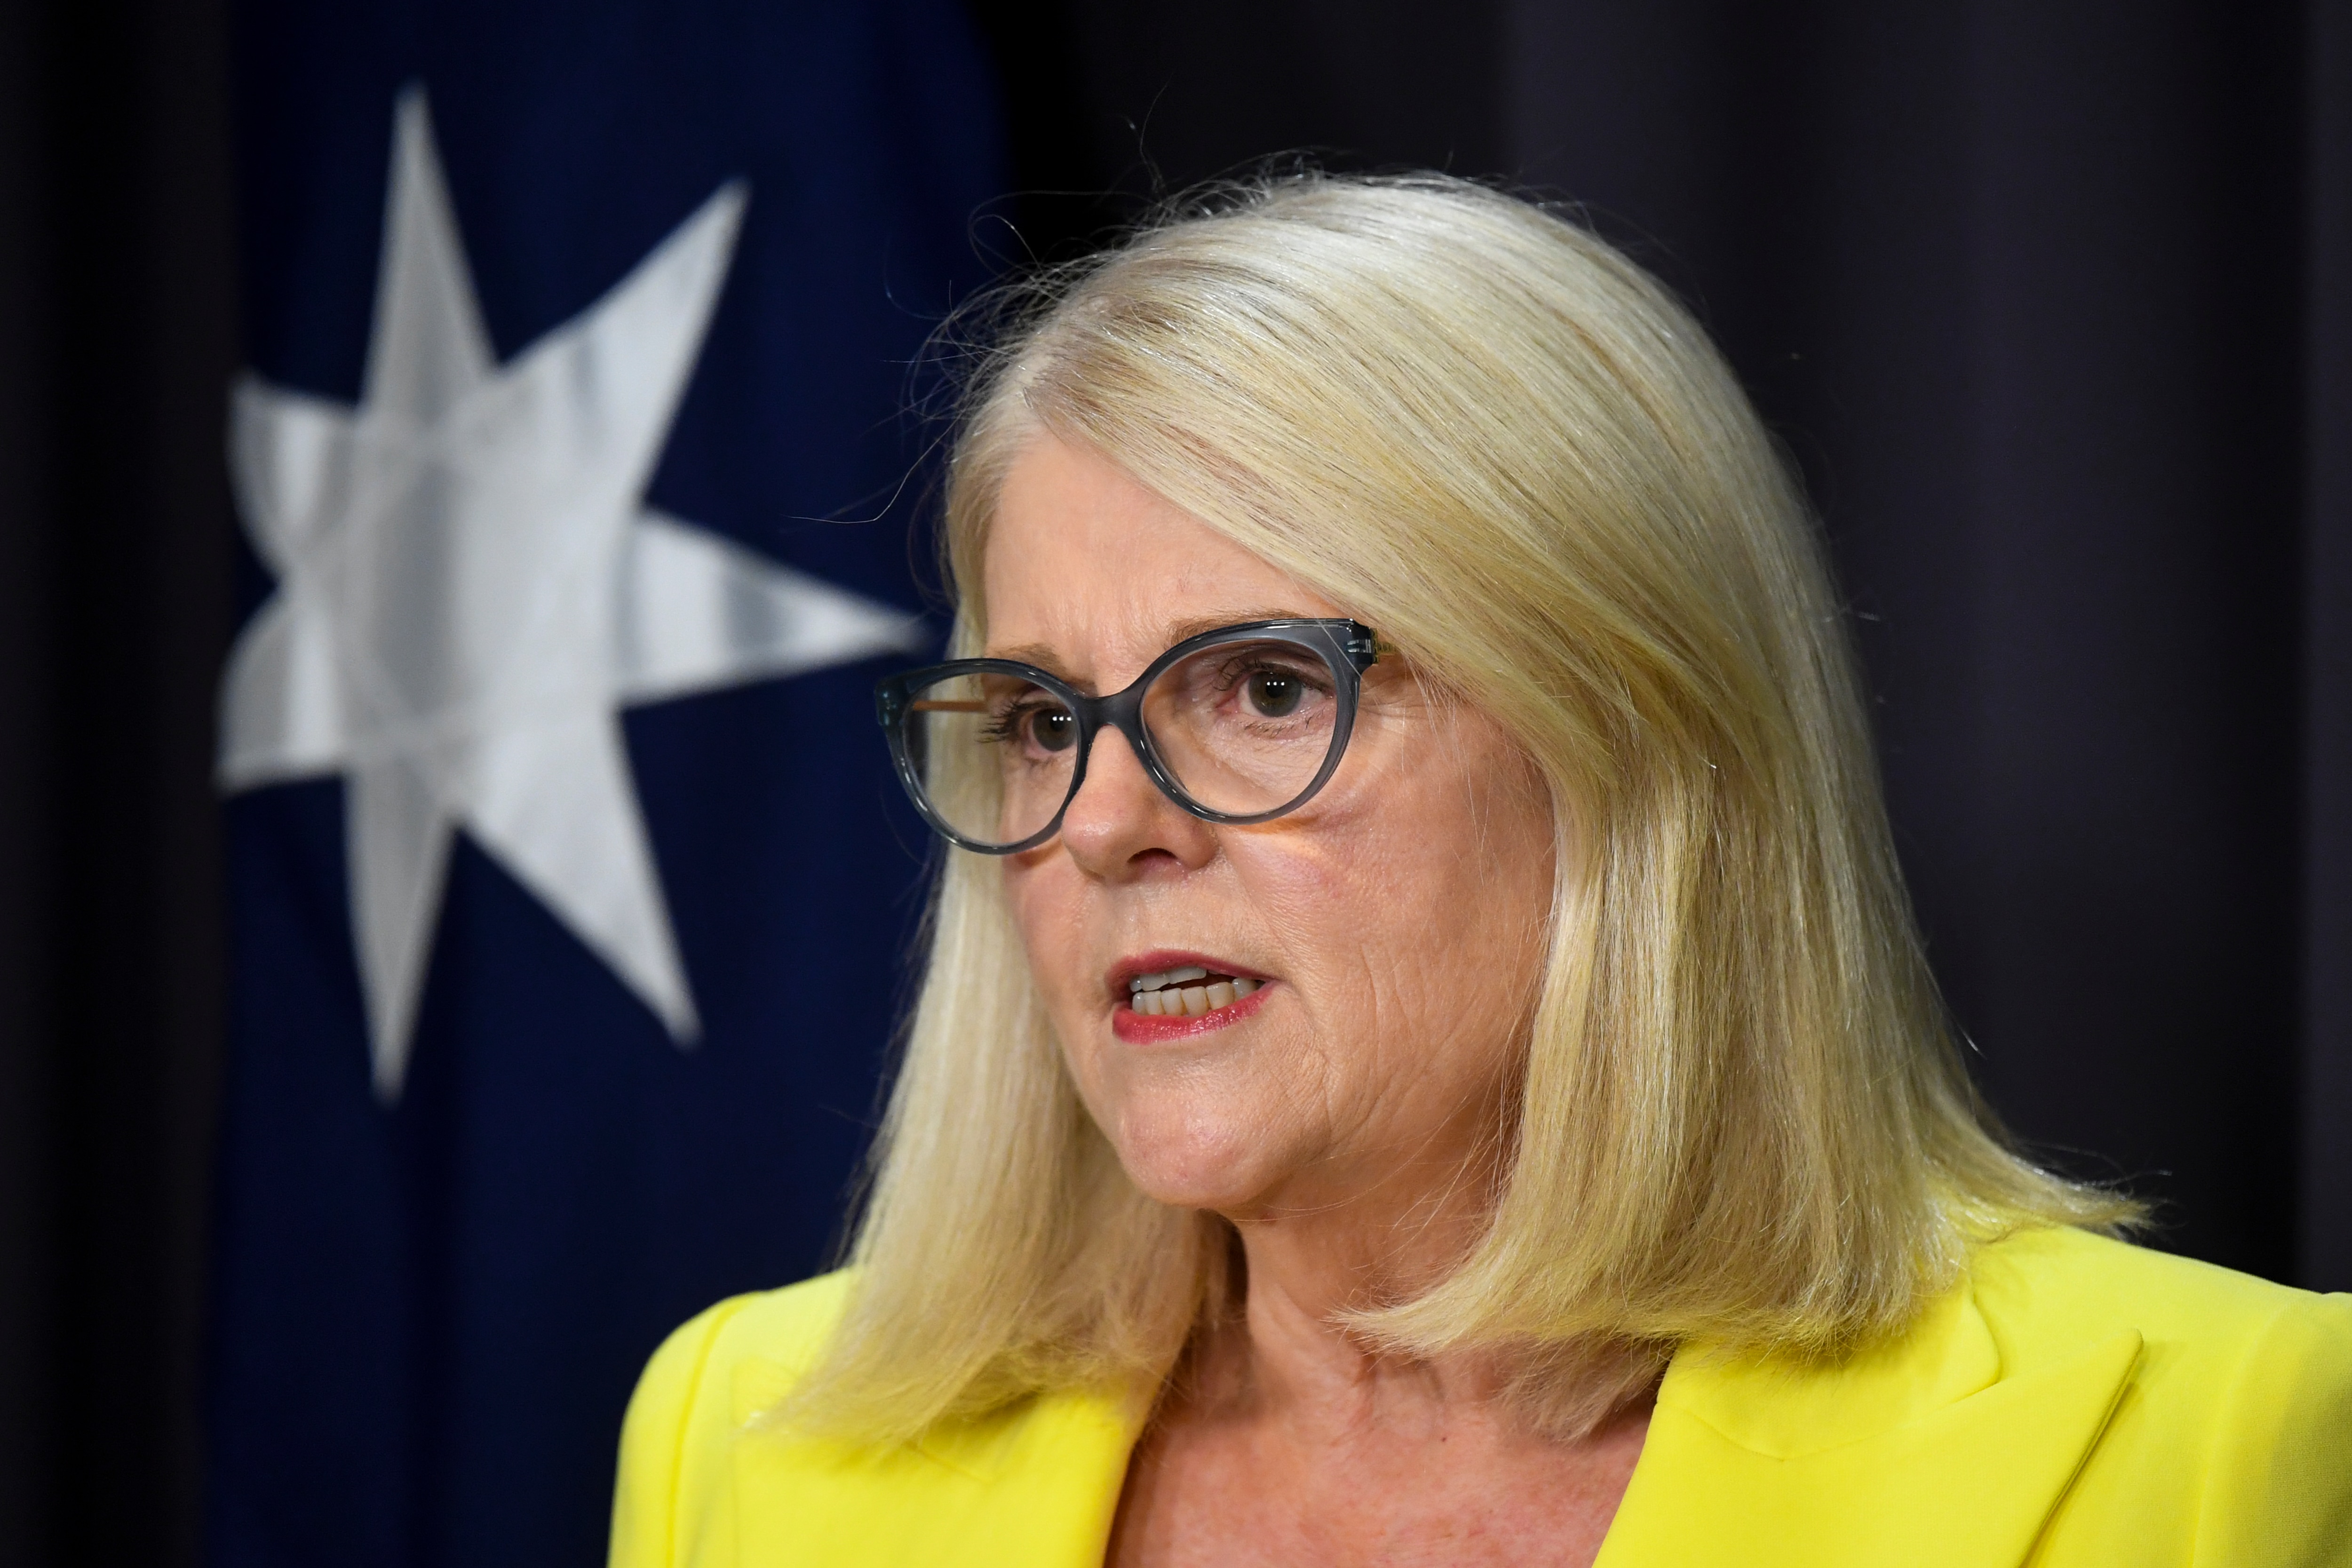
1045, 658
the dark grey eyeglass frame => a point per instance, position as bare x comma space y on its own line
1348, 648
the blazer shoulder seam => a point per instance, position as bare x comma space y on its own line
720, 1316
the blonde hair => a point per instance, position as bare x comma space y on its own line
1742, 1116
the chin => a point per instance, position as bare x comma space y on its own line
1177, 1157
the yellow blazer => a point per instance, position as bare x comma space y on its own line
2076, 1402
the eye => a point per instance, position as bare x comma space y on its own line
1274, 693
1052, 729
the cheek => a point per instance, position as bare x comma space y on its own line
1049, 910
1421, 928
1040, 907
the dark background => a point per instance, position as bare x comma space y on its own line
2053, 304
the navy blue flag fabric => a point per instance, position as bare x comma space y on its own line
570, 890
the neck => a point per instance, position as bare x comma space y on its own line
1289, 1359
1312, 1258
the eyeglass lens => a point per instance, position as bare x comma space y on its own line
1242, 727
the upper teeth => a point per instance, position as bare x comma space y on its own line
1174, 993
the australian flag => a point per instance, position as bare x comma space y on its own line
570, 889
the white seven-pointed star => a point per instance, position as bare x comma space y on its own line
469, 588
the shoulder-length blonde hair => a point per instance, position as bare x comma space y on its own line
1485, 433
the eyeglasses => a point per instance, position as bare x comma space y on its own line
1237, 725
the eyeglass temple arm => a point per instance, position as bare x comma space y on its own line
889, 701
1365, 648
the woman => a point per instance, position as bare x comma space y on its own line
1425, 1057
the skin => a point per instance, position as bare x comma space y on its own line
1348, 1126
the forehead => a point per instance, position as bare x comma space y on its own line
1090, 575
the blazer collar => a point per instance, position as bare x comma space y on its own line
1919, 1451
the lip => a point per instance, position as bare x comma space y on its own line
1142, 1028
1161, 959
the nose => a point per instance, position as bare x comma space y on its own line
1120, 826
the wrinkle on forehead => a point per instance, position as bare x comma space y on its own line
1092, 576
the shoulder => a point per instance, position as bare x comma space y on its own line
2208, 1335
684, 1414
2042, 1288
2237, 1409
708, 1475
689, 1386
2073, 1403
787, 1327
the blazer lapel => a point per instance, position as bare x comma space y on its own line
1920, 1454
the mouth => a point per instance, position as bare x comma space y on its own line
1187, 991
1180, 994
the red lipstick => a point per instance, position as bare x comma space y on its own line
1143, 1029
1135, 1017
